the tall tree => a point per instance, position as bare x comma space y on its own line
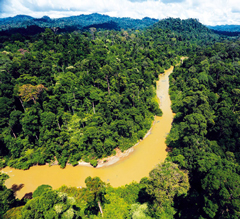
165, 182
97, 188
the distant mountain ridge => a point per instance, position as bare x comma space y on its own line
78, 22
228, 28
27, 25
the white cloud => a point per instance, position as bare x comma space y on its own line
172, 1
208, 12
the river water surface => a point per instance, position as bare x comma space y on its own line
146, 155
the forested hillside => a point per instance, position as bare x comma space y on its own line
71, 97
79, 96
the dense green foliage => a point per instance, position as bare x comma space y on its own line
51, 204
189, 28
189, 33
166, 182
79, 96
7, 199
40, 190
205, 137
100, 200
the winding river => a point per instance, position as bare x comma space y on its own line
145, 156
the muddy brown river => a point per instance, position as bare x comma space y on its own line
145, 156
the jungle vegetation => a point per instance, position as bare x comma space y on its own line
80, 95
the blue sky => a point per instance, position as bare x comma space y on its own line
209, 12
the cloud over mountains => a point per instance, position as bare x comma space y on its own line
208, 12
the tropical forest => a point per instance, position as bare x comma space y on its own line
72, 96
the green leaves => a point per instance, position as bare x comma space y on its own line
29, 92
165, 182
115, 207
221, 189
40, 190
97, 189
194, 124
7, 199
204, 138
139, 211
47, 203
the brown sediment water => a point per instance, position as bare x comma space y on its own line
145, 156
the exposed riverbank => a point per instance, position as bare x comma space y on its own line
108, 161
